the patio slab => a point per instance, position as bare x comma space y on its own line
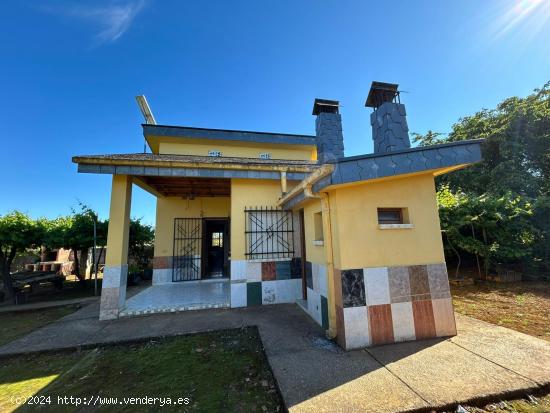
314, 375
443, 373
183, 296
521, 353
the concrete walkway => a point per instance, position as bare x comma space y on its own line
316, 376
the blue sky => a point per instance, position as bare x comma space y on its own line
70, 71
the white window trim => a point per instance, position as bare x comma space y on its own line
395, 226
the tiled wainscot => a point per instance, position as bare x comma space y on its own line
391, 304
265, 282
317, 293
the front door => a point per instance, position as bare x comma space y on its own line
215, 250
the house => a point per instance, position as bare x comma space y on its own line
257, 218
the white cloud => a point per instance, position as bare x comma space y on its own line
113, 18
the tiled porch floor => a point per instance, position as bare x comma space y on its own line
182, 296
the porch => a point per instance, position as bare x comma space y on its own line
183, 296
211, 219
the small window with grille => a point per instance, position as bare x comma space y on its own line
390, 216
269, 233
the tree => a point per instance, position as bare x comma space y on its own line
515, 170
430, 138
140, 244
541, 222
516, 151
17, 233
76, 232
496, 228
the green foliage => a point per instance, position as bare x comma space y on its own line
55, 231
506, 197
140, 243
19, 233
516, 151
430, 138
496, 228
79, 235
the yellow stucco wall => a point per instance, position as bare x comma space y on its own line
248, 193
235, 149
359, 242
169, 208
314, 253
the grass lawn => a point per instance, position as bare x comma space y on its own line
17, 324
221, 371
523, 306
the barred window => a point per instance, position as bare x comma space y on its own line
269, 233
390, 215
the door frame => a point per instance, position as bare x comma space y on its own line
304, 256
226, 245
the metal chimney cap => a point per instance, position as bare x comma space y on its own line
381, 92
325, 105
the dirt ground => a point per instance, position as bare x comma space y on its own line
523, 306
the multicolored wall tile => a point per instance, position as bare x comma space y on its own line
317, 293
265, 282
391, 304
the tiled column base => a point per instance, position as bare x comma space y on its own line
267, 282
391, 304
113, 291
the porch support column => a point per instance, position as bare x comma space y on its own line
113, 291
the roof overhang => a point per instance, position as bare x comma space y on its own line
184, 187
434, 159
185, 175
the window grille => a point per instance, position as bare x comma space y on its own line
269, 233
187, 249
390, 216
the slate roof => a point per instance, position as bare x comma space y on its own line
381, 165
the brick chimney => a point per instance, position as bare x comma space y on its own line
328, 130
390, 131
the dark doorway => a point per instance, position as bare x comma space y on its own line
215, 249
304, 257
